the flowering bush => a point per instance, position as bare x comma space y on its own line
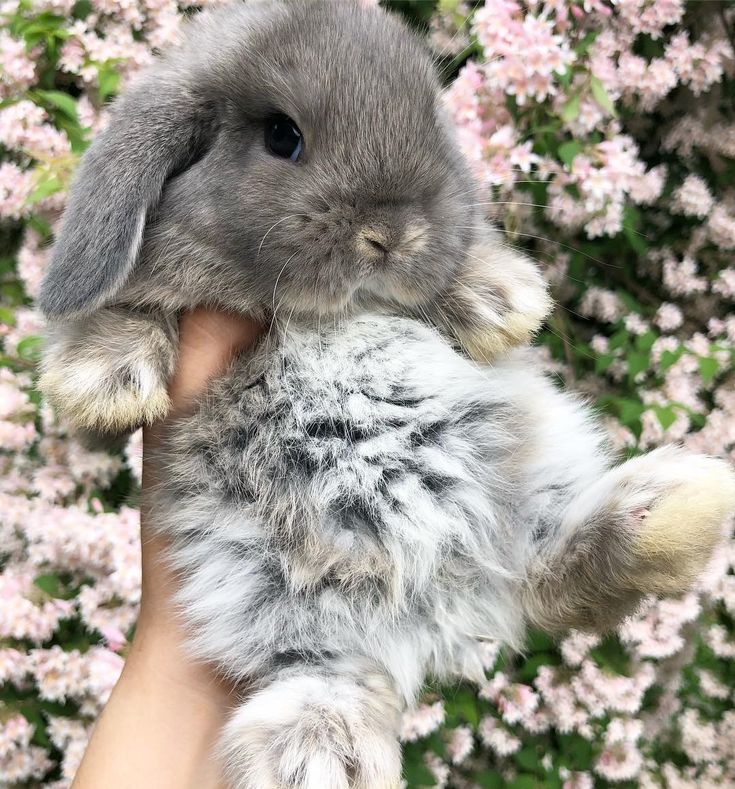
603, 134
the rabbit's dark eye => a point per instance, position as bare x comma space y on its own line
283, 137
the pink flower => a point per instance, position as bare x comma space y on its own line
724, 285
693, 197
668, 317
16, 186
421, 721
721, 227
522, 51
621, 761
460, 744
497, 737
577, 780
635, 324
601, 304
656, 632
680, 277
576, 646
711, 686
17, 69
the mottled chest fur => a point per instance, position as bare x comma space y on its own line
339, 445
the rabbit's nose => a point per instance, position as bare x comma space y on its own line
374, 243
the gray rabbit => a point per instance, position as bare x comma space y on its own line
307, 167
384, 481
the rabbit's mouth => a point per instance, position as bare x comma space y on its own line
372, 287
381, 290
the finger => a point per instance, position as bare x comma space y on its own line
208, 340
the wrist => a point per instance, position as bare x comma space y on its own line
158, 660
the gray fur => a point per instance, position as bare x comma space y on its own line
179, 203
357, 503
185, 150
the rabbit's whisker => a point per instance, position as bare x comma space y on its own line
566, 246
278, 279
275, 224
506, 202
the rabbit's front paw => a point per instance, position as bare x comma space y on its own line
498, 301
676, 533
310, 731
102, 396
109, 372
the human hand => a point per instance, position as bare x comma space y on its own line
161, 722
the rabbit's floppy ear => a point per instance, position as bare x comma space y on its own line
498, 300
156, 129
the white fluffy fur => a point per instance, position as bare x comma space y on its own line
353, 507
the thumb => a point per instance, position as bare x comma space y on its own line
208, 341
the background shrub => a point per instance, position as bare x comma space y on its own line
604, 138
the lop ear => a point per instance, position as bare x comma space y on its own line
498, 300
156, 130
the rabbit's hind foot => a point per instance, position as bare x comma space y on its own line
648, 526
677, 533
313, 730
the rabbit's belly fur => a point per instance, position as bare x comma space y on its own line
361, 491
355, 506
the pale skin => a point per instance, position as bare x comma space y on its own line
161, 722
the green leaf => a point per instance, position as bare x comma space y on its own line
43, 27
524, 781
632, 221
697, 421
29, 348
61, 101
7, 316
489, 780
630, 412
666, 415
611, 656
577, 750
619, 339
708, 368
583, 46
644, 342
108, 79
629, 301
637, 242
637, 363
49, 583
668, 358
565, 77
538, 641
418, 774
35, 717
528, 670
601, 96
570, 111
47, 186
603, 362
568, 150
464, 704
529, 760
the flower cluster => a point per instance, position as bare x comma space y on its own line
602, 139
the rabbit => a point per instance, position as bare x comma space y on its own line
356, 505
386, 479
287, 157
